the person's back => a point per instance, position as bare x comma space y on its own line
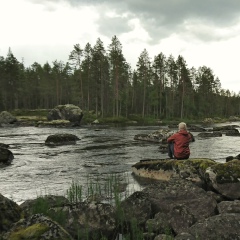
180, 141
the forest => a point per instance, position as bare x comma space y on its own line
101, 81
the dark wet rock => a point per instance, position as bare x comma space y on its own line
224, 178
7, 118
3, 145
89, 220
209, 134
10, 213
230, 158
6, 157
194, 128
224, 226
233, 132
37, 227
182, 202
225, 128
66, 112
136, 207
61, 139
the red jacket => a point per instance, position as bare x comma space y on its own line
181, 141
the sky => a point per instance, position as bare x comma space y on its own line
204, 32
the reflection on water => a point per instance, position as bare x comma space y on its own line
39, 170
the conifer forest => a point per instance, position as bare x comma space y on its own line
100, 80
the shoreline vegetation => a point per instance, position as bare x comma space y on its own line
39, 116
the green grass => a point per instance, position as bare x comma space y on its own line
107, 190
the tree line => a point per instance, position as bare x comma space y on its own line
100, 80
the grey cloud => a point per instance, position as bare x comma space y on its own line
113, 26
164, 17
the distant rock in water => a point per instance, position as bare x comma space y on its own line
7, 118
61, 139
3, 145
208, 134
6, 156
68, 112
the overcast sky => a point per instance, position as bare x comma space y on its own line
204, 32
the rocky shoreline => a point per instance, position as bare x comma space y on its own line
190, 199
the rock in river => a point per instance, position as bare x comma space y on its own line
61, 139
6, 156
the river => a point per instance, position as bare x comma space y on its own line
101, 151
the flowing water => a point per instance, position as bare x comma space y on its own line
38, 169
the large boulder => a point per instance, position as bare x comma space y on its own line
6, 156
136, 207
224, 178
222, 226
10, 213
3, 145
191, 169
88, 220
83, 220
61, 139
180, 203
37, 227
7, 118
66, 112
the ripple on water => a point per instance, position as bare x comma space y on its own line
38, 169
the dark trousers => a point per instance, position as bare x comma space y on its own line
171, 150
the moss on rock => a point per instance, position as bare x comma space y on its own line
32, 232
227, 172
198, 163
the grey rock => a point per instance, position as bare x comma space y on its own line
66, 112
7, 118
6, 157
61, 139
229, 207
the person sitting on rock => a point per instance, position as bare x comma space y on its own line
178, 143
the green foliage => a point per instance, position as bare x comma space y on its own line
74, 193
30, 112
41, 205
100, 79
